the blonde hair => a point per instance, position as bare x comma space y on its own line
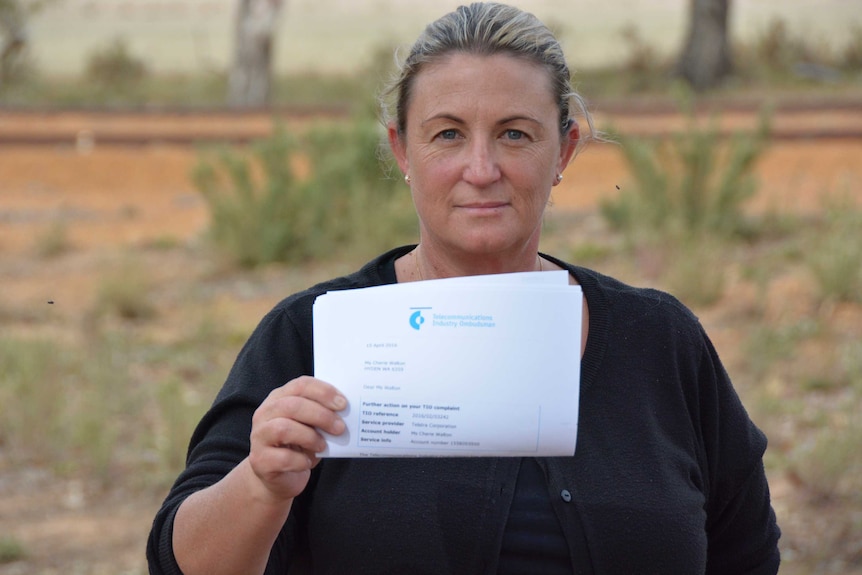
485, 29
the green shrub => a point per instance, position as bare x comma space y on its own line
367, 209
177, 417
830, 464
53, 241
587, 252
835, 259
261, 212
11, 550
851, 55
125, 293
768, 347
115, 67
697, 273
685, 202
775, 47
643, 68
31, 392
17, 69
777, 56
60, 403
691, 184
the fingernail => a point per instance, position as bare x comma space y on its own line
339, 402
339, 426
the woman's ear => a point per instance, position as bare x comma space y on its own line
398, 147
569, 144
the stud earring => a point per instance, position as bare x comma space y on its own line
407, 179
559, 178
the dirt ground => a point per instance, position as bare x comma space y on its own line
109, 198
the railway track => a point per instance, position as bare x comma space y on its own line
82, 128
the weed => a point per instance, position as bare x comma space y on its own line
836, 257
775, 46
125, 293
262, 212
178, 414
367, 210
851, 55
164, 242
18, 68
768, 346
686, 201
692, 184
777, 56
60, 403
587, 252
53, 241
851, 363
697, 273
643, 67
115, 68
33, 397
831, 463
11, 550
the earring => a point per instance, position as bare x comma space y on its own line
407, 179
559, 178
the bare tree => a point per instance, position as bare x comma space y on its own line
706, 58
250, 77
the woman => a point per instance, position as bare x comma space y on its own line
668, 474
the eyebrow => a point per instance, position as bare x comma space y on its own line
501, 122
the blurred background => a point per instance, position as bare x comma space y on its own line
169, 170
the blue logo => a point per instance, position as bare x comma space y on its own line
416, 319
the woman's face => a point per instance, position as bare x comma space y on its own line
482, 147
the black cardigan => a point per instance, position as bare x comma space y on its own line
667, 476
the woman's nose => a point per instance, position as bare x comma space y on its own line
482, 168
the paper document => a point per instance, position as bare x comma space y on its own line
475, 366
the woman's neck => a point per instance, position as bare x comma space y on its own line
425, 265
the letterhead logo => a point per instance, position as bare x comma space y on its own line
416, 319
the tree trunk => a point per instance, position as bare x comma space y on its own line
251, 74
706, 58
13, 36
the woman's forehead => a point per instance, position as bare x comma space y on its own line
483, 80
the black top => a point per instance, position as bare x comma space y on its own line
533, 541
667, 476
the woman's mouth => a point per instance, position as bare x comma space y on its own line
485, 206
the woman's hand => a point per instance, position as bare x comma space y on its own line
230, 526
285, 436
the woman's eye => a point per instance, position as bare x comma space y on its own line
448, 134
514, 134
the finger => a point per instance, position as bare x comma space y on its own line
282, 469
315, 389
287, 433
274, 461
271, 458
305, 411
